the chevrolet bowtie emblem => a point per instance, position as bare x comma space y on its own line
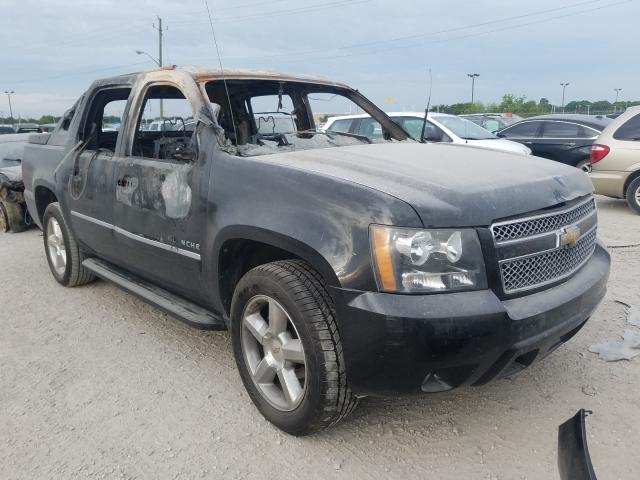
569, 236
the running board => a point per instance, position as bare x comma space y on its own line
182, 309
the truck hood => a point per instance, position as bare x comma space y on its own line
447, 185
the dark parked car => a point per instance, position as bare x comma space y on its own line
565, 138
342, 267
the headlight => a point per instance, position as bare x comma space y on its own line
410, 260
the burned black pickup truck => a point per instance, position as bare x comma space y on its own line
343, 267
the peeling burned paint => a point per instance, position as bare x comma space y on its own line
176, 192
165, 191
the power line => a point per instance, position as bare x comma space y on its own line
279, 13
497, 30
428, 34
73, 74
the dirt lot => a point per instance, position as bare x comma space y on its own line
96, 384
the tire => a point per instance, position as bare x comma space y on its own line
633, 195
11, 217
290, 293
62, 251
584, 165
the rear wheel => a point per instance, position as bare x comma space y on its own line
63, 254
287, 347
633, 195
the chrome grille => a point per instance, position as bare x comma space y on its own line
542, 224
542, 248
537, 270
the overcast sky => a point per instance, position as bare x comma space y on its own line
52, 50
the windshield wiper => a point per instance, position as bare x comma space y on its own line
331, 133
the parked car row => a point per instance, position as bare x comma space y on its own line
20, 128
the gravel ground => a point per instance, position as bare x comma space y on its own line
96, 384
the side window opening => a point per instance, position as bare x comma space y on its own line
165, 125
103, 121
630, 130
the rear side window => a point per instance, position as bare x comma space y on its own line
341, 126
104, 118
561, 130
522, 130
630, 130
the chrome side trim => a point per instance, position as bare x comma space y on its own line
91, 219
155, 243
139, 238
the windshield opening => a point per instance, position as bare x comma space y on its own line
464, 129
264, 117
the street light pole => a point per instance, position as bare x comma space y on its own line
9, 93
564, 87
615, 107
160, 32
473, 83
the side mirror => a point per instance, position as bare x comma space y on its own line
499, 135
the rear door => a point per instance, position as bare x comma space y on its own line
161, 191
566, 142
526, 132
91, 190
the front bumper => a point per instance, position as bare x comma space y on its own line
609, 183
431, 343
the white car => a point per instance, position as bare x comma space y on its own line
440, 127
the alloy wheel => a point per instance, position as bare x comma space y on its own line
273, 352
56, 247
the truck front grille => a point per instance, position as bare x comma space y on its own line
542, 224
537, 250
536, 270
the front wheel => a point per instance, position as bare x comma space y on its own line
287, 347
633, 195
63, 253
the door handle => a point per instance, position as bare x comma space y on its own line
570, 144
528, 142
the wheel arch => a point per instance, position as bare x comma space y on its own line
628, 181
240, 248
43, 197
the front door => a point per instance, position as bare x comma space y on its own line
161, 190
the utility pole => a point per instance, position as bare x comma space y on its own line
9, 93
160, 32
564, 87
473, 83
615, 107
